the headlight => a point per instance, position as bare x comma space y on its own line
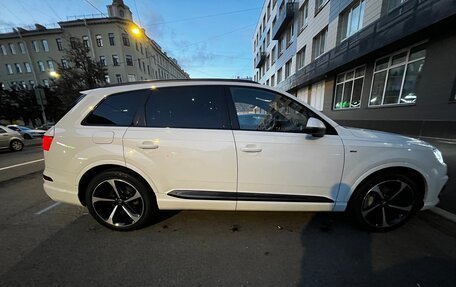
438, 155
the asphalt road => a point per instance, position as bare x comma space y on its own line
44, 244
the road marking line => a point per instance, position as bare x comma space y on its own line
47, 208
445, 214
21, 164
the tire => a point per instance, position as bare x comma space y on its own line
27, 137
385, 201
129, 206
16, 145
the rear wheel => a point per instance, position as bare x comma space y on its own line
385, 201
16, 145
120, 201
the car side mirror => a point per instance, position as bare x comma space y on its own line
315, 127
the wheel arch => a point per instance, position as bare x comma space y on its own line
412, 172
89, 174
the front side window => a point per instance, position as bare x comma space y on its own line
197, 107
396, 77
352, 20
349, 86
117, 110
261, 110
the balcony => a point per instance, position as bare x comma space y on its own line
412, 19
259, 60
284, 16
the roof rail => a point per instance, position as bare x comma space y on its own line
182, 80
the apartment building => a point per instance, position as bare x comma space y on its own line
380, 64
29, 56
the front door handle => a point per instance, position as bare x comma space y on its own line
148, 145
251, 148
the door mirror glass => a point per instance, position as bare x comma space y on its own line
315, 127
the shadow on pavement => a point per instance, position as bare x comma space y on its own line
338, 254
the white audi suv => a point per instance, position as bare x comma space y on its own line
129, 151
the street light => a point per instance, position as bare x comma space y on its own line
136, 31
54, 74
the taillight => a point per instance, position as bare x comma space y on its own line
47, 141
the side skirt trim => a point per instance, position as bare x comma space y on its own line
246, 196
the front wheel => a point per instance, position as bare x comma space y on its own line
120, 201
385, 202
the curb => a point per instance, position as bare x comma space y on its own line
445, 214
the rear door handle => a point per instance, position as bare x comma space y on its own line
251, 148
148, 145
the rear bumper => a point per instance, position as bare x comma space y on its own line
57, 193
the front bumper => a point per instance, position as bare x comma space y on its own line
432, 195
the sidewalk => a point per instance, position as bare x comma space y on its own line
448, 195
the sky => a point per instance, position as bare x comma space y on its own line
209, 38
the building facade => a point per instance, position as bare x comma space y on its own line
380, 64
29, 56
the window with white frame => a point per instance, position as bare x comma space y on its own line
107, 79
12, 48
115, 60
395, 77
279, 76
273, 80
288, 69
352, 20
273, 55
131, 77
103, 61
51, 65
392, 4
35, 46
119, 78
45, 45
41, 66
3, 49
21, 47
9, 69
129, 60
46, 83
99, 40
28, 68
18, 68
290, 32
59, 44
65, 64
349, 87
319, 43
300, 58
303, 17
85, 41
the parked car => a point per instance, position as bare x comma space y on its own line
45, 127
11, 139
26, 132
128, 151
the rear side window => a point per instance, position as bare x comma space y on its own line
117, 110
198, 107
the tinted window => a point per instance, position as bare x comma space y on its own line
261, 110
187, 107
14, 128
117, 110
